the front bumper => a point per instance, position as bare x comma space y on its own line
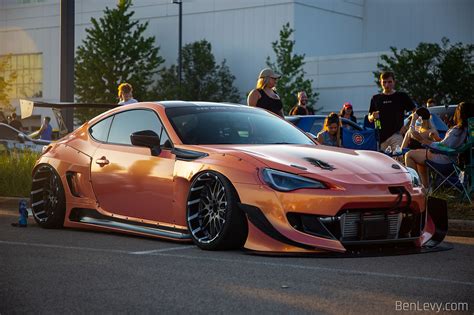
330, 220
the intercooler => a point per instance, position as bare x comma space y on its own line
370, 225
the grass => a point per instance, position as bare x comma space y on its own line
15, 173
458, 208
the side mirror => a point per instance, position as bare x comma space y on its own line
147, 138
21, 137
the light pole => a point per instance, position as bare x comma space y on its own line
180, 3
66, 89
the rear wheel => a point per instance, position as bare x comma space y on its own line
213, 216
48, 202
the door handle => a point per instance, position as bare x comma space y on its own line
102, 161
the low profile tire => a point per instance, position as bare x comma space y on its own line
213, 216
48, 202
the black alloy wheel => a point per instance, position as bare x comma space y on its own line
48, 202
213, 216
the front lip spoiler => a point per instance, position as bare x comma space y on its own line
360, 253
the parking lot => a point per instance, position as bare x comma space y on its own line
74, 271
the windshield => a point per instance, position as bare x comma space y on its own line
232, 125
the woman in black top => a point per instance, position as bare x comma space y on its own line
264, 95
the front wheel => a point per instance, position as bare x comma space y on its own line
213, 216
48, 202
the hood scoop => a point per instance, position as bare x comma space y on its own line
319, 163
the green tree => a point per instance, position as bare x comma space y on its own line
115, 51
290, 66
6, 79
202, 78
444, 72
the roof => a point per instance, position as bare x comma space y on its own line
171, 104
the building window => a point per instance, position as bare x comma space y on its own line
29, 1
29, 75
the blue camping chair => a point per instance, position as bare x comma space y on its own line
359, 140
453, 175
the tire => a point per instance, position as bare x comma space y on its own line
213, 216
48, 202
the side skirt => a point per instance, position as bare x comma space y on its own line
93, 217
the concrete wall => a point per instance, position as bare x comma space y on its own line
344, 78
341, 39
328, 27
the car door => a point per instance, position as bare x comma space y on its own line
128, 180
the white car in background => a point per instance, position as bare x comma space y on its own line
13, 139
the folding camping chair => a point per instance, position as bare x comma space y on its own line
359, 139
456, 175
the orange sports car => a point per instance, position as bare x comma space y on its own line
226, 176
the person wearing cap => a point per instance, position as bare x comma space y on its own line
420, 126
387, 110
264, 95
348, 112
125, 94
300, 108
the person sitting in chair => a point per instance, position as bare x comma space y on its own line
454, 138
420, 121
331, 133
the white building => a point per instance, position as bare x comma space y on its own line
342, 39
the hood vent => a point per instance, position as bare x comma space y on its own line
319, 163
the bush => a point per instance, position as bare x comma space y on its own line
16, 168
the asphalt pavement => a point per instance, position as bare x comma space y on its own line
76, 271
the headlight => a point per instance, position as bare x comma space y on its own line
287, 182
415, 179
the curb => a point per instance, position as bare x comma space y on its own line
455, 227
461, 228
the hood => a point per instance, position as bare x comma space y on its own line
357, 166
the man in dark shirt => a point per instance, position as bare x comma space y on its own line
15, 123
389, 108
300, 108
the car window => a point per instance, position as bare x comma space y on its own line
232, 125
7, 133
126, 123
100, 130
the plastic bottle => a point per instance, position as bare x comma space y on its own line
23, 210
398, 150
418, 124
378, 125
